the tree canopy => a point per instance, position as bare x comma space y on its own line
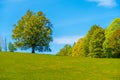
77, 49
96, 42
91, 44
11, 47
65, 51
112, 39
33, 31
100, 42
88, 39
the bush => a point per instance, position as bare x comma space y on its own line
0, 48
11, 47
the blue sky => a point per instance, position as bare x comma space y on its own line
71, 19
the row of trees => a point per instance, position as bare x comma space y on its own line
98, 42
11, 47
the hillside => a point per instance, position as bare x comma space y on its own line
19, 66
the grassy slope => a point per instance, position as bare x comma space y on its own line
46, 67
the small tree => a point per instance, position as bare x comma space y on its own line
11, 47
65, 51
0, 48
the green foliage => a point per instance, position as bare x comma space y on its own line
77, 49
22, 66
34, 31
115, 43
0, 48
65, 51
11, 47
87, 39
112, 39
99, 42
96, 42
91, 43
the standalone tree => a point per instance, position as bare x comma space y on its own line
33, 31
11, 47
65, 51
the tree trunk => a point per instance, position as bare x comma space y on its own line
33, 49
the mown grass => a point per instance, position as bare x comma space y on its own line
19, 66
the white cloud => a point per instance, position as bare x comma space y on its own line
105, 3
66, 40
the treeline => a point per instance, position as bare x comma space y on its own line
98, 43
7, 47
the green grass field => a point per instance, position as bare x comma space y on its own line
19, 66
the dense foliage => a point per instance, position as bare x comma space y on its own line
99, 42
93, 41
96, 42
11, 47
77, 49
91, 44
87, 40
34, 31
112, 39
66, 50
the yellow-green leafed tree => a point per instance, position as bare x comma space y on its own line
33, 31
87, 39
112, 39
96, 42
77, 49
115, 43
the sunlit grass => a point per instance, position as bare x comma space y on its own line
19, 66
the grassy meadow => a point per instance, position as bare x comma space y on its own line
19, 66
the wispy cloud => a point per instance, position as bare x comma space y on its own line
105, 3
66, 40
